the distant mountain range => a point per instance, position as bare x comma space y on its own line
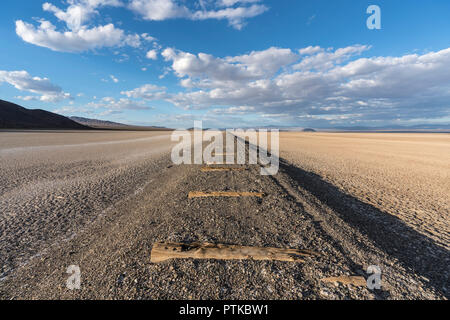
102, 124
13, 116
95, 123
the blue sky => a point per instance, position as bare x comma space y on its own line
228, 62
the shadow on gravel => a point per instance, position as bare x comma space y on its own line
415, 251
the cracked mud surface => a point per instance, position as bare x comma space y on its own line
114, 235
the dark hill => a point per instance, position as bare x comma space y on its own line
13, 116
109, 125
96, 123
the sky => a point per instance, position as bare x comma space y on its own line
230, 63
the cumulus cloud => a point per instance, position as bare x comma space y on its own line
310, 50
79, 35
266, 62
158, 10
204, 66
235, 16
333, 85
322, 60
147, 92
46, 35
112, 104
78, 12
147, 37
206, 71
152, 54
23, 81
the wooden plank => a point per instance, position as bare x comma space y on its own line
166, 251
212, 169
354, 280
226, 194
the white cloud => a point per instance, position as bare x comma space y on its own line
83, 39
121, 104
207, 71
147, 92
321, 60
152, 54
114, 79
204, 66
79, 35
158, 10
148, 37
320, 85
23, 81
27, 98
235, 16
310, 50
91, 110
327, 85
266, 62
79, 12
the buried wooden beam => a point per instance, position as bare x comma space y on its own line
354, 280
224, 194
209, 169
166, 251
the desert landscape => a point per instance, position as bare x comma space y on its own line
103, 199
406, 175
221, 158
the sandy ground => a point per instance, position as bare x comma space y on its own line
103, 203
405, 175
